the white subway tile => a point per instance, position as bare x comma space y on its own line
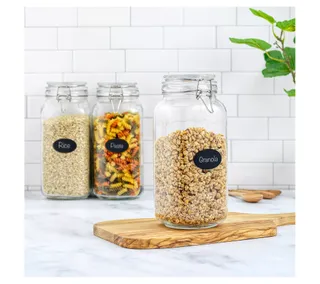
50, 17
247, 60
209, 16
133, 37
259, 187
292, 107
292, 12
282, 128
148, 174
32, 151
257, 151
151, 60
204, 60
91, 79
32, 174
245, 17
83, 38
104, 16
250, 173
34, 84
48, 61
283, 82
289, 151
230, 102
149, 102
246, 83
32, 129
99, 61
159, 16
148, 151
34, 105
224, 33
247, 128
264, 105
148, 83
284, 174
147, 129
40, 38
189, 37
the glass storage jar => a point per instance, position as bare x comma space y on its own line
117, 152
66, 141
190, 156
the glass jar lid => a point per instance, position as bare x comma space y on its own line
115, 89
66, 89
189, 83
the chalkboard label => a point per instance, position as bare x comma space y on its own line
64, 145
207, 159
117, 145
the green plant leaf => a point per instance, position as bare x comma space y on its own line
275, 71
290, 55
288, 26
291, 93
274, 68
253, 42
263, 15
294, 39
274, 54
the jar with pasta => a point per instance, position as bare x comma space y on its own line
117, 136
190, 156
66, 141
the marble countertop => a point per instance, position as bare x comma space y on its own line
59, 242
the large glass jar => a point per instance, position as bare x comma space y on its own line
66, 141
190, 159
117, 136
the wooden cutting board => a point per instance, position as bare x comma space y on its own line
149, 233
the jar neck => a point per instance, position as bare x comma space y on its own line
107, 99
67, 99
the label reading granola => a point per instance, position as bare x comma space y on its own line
117, 145
64, 145
207, 159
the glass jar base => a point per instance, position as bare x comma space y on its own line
189, 227
66, 197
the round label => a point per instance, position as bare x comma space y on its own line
117, 145
207, 159
64, 145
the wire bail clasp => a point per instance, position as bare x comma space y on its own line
209, 95
68, 98
59, 95
118, 97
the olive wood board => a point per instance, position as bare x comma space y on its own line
149, 233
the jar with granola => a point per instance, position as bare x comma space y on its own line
190, 158
66, 141
117, 135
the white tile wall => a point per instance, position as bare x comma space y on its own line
83, 38
144, 44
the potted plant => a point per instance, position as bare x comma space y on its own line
280, 59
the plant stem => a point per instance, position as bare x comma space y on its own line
275, 59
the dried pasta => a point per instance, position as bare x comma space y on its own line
117, 174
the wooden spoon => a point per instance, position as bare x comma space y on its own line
265, 194
247, 197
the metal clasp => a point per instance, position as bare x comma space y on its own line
119, 99
68, 95
209, 94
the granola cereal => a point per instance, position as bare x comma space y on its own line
186, 195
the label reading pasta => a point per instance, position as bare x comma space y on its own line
64, 145
117, 145
207, 159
